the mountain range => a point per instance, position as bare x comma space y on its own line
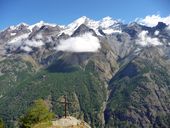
115, 74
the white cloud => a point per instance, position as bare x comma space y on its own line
145, 40
84, 43
34, 43
153, 20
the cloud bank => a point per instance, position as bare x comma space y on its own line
34, 43
84, 43
153, 20
24, 44
145, 40
28, 44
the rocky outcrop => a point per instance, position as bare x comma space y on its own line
69, 122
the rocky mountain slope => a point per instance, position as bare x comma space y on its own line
114, 74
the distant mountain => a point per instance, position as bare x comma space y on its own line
114, 74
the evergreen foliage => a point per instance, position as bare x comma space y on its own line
37, 113
2, 124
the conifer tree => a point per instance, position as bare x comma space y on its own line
37, 113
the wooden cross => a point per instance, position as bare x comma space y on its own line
65, 102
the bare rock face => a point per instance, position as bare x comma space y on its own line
83, 29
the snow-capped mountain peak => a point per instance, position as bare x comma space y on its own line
22, 24
107, 18
11, 28
78, 22
107, 22
30, 27
70, 28
40, 24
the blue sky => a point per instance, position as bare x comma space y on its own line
13, 12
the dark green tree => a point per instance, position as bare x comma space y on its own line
37, 113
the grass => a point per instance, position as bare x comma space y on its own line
43, 125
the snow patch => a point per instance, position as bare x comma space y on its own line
26, 48
156, 33
39, 36
145, 40
110, 31
107, 22
18, 39
12, 34
137, 51
168, 28
84, 43
12, 28
153, 20
40, 24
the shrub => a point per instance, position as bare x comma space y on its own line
37, 113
